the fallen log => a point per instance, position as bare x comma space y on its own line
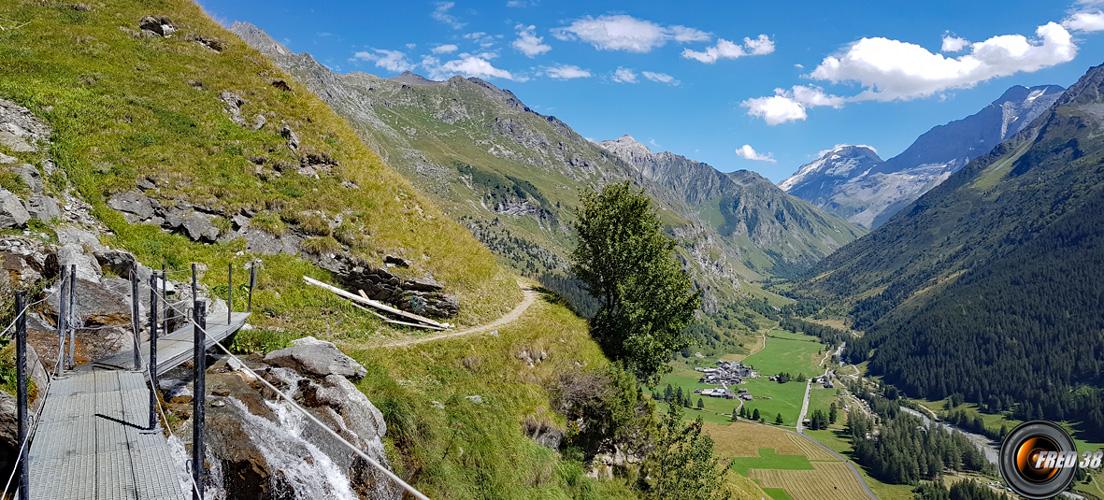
385, 319
376, 304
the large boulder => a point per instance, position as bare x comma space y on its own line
20, 131
319, 358
193, 223
157, 25
135, 206
12, 212
97, 304
77, 247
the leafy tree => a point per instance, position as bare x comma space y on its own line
681, 464
778, 419
628, 264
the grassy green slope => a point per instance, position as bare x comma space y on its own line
124, 107
458, 448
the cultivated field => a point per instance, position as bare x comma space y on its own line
825, 480
781, 462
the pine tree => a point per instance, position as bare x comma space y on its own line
736, 414
668, 393
833, 413
701, 404
755, 415
778, 419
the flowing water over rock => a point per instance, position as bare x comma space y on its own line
266, 447
308, 477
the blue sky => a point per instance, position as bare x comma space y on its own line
699, 77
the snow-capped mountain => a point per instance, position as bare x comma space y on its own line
852, 182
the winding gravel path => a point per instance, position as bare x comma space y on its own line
529, 297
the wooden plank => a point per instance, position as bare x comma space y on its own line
385, 319
376, 304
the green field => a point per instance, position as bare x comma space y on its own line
717, 410
772, 398
787, 352
783, 352
821, 398
777, 493
769, 459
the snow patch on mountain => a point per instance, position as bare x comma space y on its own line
852, 182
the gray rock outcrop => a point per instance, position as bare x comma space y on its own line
157, 25
233, 103
20, 130
12, 212
315, 357
423, 296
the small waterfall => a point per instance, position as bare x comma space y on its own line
183, 466
307, 478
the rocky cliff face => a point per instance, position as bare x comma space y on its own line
853, 182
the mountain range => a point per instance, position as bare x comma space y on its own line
854, 182
994, 274
513, 176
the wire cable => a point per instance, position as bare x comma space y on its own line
387, 472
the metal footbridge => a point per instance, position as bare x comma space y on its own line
98, 435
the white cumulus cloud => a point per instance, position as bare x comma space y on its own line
724, 49
663, 78
888, 70
446, 48
465, 65
624, 75
626, 33
953, 43
1085, 21
790, 105
528, 42
391, 60
749, 153
891, 69
566, 72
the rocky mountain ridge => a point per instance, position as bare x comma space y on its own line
993, 271
741, 206
853, 182
512, 175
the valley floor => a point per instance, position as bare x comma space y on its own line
781, 462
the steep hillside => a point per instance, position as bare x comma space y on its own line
218, 146
189, 146
994, 273
771, 231
853, 182
513, 175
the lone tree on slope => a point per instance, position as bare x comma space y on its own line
628, 264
